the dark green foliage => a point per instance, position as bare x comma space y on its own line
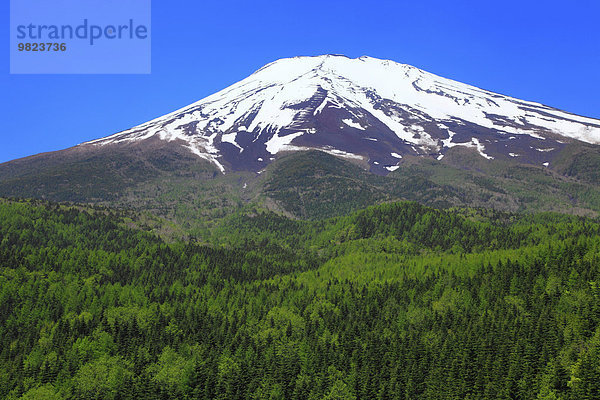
585, 167
317, 185
314, 185
96, 175
397, 301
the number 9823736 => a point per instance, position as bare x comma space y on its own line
42, 46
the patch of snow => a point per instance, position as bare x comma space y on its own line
392, 168
353, 124
209, 157
545, 164
448, 142
396, 155
474, 143
341, 153
321, 106
279, 143
230, 138
481, 149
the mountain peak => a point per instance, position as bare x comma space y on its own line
367, 109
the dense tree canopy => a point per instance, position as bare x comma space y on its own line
397, 301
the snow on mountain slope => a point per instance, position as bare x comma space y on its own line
365, 108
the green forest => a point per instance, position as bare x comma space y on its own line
394, 301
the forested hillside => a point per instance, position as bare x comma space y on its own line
396, 301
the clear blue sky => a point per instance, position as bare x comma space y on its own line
546, 51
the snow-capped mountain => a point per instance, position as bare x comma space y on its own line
374, 110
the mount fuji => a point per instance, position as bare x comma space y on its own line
321, 136
377, 111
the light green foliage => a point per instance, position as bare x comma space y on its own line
172, 370
102, 378
45, 392
396, 301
